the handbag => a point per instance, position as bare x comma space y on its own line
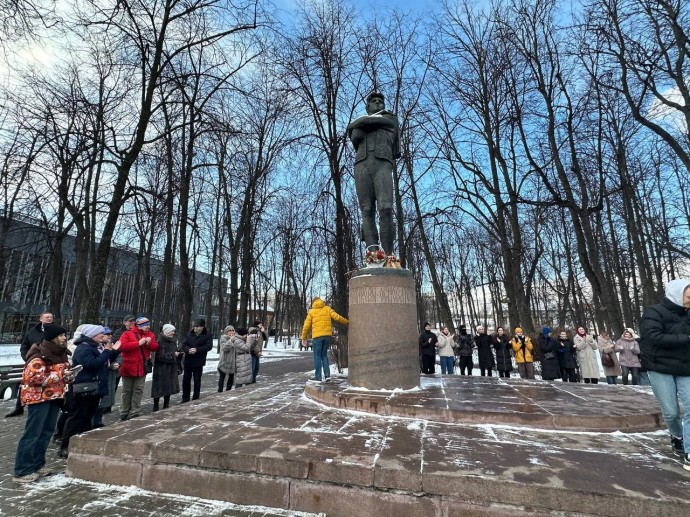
148, 364
607, 361
84, 389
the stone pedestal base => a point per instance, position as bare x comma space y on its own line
382, 334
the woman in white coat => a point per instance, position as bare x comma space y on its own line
586, 357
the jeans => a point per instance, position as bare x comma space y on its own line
667, 389
644, 378
255, 367
611, 379
132, 392
634, 371
39, 428
189, 372
447, 364
320, 345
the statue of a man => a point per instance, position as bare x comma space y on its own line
376, 137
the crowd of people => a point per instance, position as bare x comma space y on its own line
569, 358
68, 385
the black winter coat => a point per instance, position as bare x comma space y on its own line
203, 344
165, 381
486, 356
426, 347
566, 353
33, 335
504, 361
665, 333
550, 367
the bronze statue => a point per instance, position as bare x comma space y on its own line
377, 145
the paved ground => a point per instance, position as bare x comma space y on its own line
59, 495
273, 446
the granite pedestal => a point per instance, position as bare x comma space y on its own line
382, 335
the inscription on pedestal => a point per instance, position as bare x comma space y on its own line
386, 294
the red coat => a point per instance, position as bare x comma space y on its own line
132, 358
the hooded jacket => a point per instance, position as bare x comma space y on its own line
665, 333
319, 320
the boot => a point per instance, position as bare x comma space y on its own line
677, 445
98, 419
156, 401
166, 402
19, 411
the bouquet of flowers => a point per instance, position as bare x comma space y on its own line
375, 256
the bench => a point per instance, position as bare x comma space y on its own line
10, 378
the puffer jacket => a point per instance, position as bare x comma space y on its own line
243, 347
95, 361
629, 352
132, 359
319, 320
665, 333
41, 383
504, 362
522, 349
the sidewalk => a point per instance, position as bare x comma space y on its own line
60, 495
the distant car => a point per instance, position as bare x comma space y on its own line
309, 345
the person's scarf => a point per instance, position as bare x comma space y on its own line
51, 353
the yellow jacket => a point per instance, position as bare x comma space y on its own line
517, 348
319, 320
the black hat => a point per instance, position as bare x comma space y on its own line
241, 331
463, 327
51, 331
256, 323
199, 323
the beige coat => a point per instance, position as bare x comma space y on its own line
586, 357
606, 347
445, 345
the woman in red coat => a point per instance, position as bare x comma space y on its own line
136, 346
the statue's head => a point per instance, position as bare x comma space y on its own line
375, 102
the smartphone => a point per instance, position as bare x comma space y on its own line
75, 370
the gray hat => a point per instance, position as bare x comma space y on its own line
228, 329
129, 317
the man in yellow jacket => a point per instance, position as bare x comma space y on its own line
319, 322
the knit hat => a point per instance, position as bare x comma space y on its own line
78, 332
228, 329
52, 331
92, 330
201, 322
142, 321
168, 328
546, 331
518, 330
107, 331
